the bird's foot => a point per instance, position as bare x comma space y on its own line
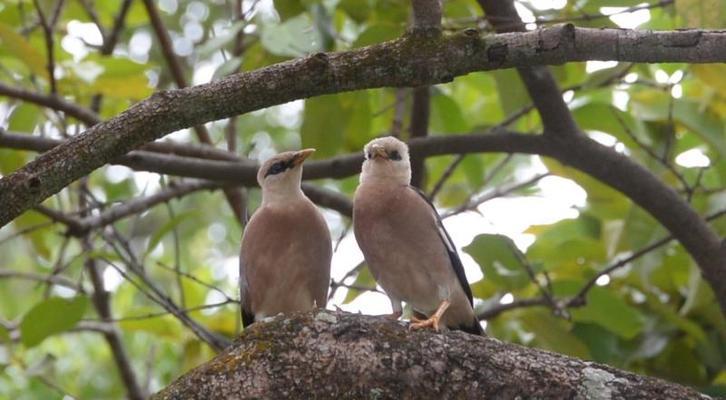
432, 321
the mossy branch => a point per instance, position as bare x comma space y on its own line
338, 355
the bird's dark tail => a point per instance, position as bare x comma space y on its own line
247, 318
474, 328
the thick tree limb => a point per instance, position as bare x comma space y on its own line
408, 61
324, 354
538, 80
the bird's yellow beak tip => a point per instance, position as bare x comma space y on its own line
379, 152
301, 155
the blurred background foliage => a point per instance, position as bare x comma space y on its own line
653, 314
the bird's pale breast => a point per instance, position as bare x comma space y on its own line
397, 232
285, 259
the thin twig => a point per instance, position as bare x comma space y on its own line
473, 204
652, 153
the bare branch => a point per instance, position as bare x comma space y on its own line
52, 101
233, 195
494, 312
110, 40
473, 204
426, 14
138, 205
59, 280
48, 26
420, 111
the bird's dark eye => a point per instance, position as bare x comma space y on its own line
276, 168
369, 155
395, 156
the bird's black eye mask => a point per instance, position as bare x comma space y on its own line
393, 155
279, 167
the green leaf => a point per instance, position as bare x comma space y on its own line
16, 45
446, 116
703, 122
217, 43
24, 118
602, 344
512, 93
604, 308
601, 117
711, 75
167, 227
484, 288
553, 333
228, 67
51, 316
288, 8
165, 326
37, 237
364, 279
653, 105
358, 131
571, 242
701, 13
292, 38
357, 10
495, 256
378, 33
4, 335
678, 363
324, 121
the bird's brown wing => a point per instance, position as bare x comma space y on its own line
450, 247
248, 317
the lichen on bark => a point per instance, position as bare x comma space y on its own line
325, 354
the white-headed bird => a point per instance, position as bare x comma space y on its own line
405, 244
286, 248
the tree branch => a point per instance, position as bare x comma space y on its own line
53, 102
59, 280
102, 305
407, 61
420, 112
137, 205
324, 354
597, 160
538, 80
233, 195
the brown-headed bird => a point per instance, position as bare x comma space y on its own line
286, 248
405, 244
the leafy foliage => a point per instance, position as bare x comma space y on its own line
653, 315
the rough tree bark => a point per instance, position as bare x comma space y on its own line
325, 354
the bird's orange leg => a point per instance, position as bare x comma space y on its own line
433, 320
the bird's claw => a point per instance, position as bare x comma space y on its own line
419, 324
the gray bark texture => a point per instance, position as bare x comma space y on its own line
337, 355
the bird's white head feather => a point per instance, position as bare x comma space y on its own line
280, 176
386, 160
